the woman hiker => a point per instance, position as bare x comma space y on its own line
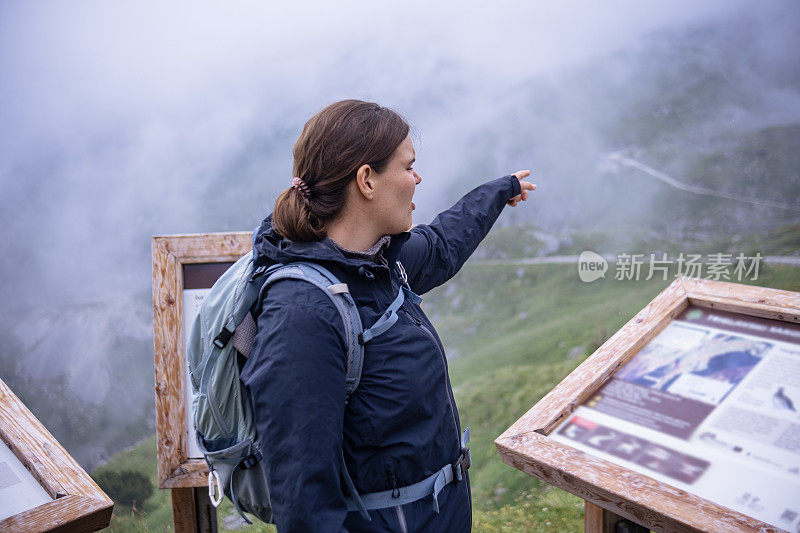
349, 209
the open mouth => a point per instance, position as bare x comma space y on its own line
413, 206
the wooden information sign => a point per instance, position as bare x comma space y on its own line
184, 268
687, 419
42, 488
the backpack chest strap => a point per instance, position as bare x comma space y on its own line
389, 317
386, 321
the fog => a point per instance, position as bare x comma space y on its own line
121, 120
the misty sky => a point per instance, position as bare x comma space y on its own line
120, 120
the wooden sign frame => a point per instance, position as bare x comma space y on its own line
77, 504
170, 253
651, 503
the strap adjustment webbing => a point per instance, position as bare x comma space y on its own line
432, 484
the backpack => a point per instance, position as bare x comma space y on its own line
222, 335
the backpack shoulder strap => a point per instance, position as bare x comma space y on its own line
341, 299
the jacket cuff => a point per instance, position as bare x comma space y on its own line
515, 185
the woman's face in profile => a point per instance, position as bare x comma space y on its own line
395, 189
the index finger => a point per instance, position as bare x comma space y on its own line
519, 174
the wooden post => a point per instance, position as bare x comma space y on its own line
183, 510
192, 512
205, 512
598, 520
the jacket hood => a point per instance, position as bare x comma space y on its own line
274, 248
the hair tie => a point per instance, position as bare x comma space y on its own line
301, 186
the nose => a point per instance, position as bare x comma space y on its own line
417, 177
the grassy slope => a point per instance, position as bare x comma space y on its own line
512, 334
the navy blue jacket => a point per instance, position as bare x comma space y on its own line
401, 424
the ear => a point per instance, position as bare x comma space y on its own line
365, 181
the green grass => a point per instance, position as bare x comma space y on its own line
548, 509
512, 334
156, 512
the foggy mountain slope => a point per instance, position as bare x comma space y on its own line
85, 370
102, 327
709, 104
715, 103
745, 164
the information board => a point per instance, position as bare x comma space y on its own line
686, 419
197, 281
42, 488
710, 405
19, 490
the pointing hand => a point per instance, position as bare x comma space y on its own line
526, 186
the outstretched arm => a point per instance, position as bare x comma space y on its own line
435, 252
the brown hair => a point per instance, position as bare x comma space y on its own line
333, 145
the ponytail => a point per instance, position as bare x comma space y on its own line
293, 218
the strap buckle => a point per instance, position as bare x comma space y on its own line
251, 460
258, 272
461, 465
221, 340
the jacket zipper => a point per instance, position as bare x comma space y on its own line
450, 399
